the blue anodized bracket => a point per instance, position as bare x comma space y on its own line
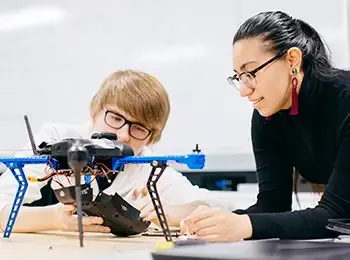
193, 161
17, 164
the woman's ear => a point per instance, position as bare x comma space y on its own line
294, 59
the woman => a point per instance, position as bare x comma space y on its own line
301, 120
135, 106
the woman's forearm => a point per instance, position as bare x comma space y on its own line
29, 219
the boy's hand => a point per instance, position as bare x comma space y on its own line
65, 220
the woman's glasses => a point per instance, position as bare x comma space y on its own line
248, 79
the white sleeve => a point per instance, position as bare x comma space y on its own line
8, 183
175, 188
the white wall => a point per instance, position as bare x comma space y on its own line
55, 54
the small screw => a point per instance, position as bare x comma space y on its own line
154, 163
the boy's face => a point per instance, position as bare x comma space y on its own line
127, 129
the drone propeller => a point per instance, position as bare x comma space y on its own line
77, 159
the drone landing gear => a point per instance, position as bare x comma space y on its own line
153, 192
22, 188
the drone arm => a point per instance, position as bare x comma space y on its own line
193, 161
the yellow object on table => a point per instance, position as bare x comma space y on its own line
161, 246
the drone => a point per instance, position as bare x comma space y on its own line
100, 156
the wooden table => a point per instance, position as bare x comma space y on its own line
65, 246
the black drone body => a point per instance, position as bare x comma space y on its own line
102, 147
71, 156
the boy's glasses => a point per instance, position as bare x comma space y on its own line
117, 121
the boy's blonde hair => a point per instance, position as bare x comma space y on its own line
138, 94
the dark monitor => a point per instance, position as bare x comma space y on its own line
259, 250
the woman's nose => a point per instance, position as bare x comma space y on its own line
245, 91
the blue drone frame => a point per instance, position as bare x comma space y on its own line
16, 164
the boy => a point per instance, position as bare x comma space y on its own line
135, 106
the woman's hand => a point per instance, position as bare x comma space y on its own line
173, 213
216, 225
64, 220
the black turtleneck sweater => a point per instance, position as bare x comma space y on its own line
317, 143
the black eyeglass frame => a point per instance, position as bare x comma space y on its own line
127, 122
231, 79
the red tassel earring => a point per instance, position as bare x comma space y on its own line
294, 110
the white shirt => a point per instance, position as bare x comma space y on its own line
173, 187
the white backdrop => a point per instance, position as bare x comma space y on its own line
55, 54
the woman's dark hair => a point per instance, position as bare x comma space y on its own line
282, 32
